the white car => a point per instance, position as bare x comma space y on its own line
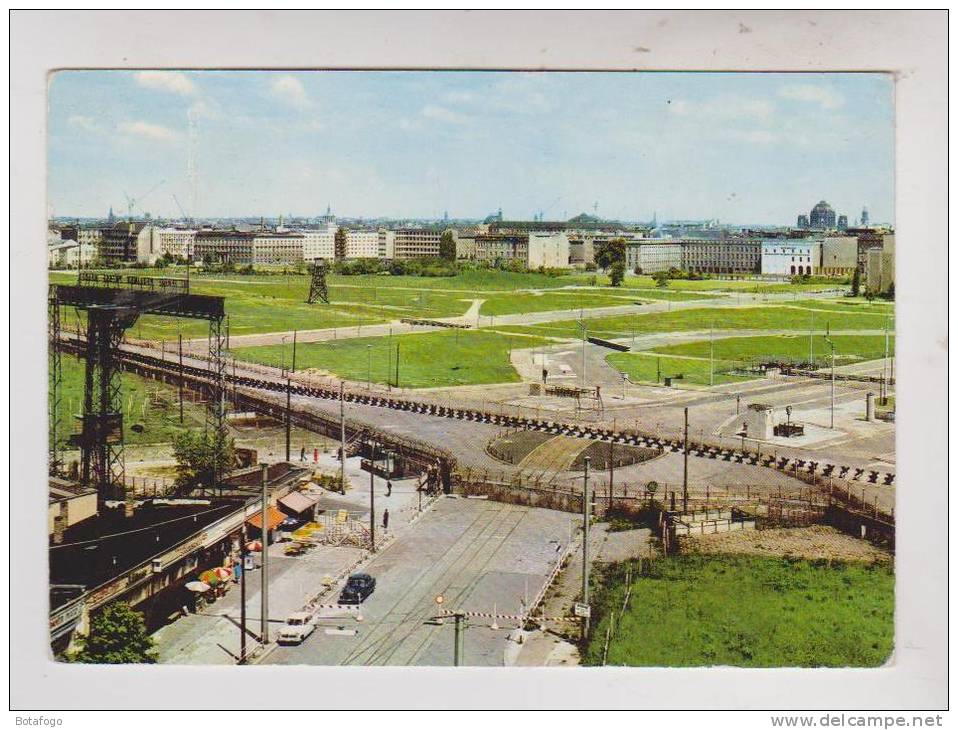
297, 627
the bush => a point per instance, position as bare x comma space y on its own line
117, 636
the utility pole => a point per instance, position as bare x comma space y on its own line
342, 437
181, 378
831, 344
288, 415
369, 366
884, 364
611, 463
264, 541
685, 465
457, 654
242, 659
811, 343
372, 496
711, 356
292, 367
586, 517
397, 364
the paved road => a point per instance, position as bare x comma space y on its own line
477, 554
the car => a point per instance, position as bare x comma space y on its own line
297, 628
357, 589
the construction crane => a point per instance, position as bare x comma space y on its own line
132, 203
186, 218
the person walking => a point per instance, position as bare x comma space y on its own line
386, 519
389, 487
302, 454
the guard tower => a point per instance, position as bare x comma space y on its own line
112, 303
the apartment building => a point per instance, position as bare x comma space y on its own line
177, 242
500, 247
278, 248
414, 243
362, 244
784, 257
722, 257
319, 244
234, 247
650, 256
879, 270
548, 250
128, 242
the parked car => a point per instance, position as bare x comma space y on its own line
298, 626
357, 588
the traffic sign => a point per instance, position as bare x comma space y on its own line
582, 610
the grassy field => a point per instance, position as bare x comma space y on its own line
427, 360
848, 348
152, 412
273, 303
744, 286
648, 367
746, 611
784, 317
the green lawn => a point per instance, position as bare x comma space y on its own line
146, 403
426, 360
848, 348
647, 367
744, 286
784, 317
746, 611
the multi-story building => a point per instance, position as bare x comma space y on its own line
722, 257
414, 243
387, 244
787, 257
222, 246
879, 272
802, 222
465, 243
64, 254
548, 250
650, 256
278, 248
362, 244
319, 244
870, 239
177, 242
492, 248
839, 255
128, 242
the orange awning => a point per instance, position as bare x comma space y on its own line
275, 518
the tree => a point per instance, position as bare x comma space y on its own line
609, 252
339, 244
856, 282
117, 636
202, 457
617, 273
447, 246
661, 278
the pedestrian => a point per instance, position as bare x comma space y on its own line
389, 487
386, 519
302, 454
545, 375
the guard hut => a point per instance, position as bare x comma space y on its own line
758, 421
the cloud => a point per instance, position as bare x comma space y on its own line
147, 130
86, 123
441, 114
173, 81
824, 96
724, 108
291, 90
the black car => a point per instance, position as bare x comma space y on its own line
357, 588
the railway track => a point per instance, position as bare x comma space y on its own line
170, 371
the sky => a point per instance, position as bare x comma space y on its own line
739, 147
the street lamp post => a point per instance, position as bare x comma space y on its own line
369, 366
831, 344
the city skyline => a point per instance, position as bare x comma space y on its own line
418, 144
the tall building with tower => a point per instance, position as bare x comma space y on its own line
822, 216
802, 221
864, 217
842, 222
